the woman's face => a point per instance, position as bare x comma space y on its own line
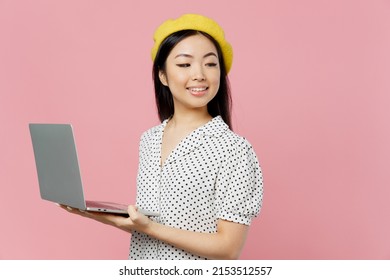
192, 73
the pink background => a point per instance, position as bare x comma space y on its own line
311, 90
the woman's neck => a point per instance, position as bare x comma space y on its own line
192, 119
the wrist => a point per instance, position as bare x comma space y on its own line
151, 228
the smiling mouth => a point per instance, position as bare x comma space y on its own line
197, 90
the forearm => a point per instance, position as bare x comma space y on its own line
224, 244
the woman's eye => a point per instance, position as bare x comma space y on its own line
211, 64
183, 65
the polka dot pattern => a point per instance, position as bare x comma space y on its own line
212, 174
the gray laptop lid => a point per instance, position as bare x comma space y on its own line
57, 164
59, 173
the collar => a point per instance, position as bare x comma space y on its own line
214, 128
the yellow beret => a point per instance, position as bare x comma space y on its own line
194, 22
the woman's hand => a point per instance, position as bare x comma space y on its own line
135, 221
226, 243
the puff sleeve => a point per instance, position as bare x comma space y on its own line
239, 185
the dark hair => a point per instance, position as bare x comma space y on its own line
220, 105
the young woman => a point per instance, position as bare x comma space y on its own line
203, 179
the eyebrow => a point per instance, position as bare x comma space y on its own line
188, 55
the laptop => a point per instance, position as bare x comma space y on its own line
59, 173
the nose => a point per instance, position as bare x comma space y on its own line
198, 74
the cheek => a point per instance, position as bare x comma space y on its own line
215, 79
176, 78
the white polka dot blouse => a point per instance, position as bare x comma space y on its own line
212, 174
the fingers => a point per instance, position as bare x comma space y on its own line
133, 211
105, 218
74, 210
65, 207
137, 220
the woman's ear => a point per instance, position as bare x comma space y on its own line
163, 78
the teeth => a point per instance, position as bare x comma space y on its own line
198, 89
